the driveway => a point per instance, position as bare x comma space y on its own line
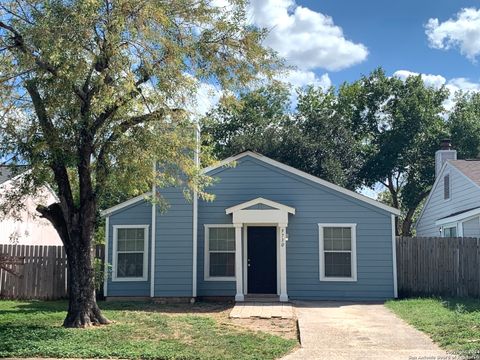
334, 330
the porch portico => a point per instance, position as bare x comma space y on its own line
259, 212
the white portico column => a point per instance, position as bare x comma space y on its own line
238, 262
283, 262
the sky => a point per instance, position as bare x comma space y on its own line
333, 41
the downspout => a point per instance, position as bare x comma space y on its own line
105, 278
195, 217
153, 232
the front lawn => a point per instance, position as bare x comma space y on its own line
141, 330
452, 323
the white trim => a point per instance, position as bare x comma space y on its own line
107, 231
353, 252
304, 175
432, 190
460, 217
195, 244
206, 256
125, 204
115, 254
196, 159
394, 259
263, 201
435, 184
154, 228
239, 296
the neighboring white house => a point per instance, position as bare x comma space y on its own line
453, 206
26, 227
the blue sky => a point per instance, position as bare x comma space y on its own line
394, 34
332, 41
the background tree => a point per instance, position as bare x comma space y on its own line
464, 125
92, 92
314, 137
253, 120
403, 124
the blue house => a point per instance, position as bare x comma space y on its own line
272, 229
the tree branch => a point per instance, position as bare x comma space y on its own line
57, 165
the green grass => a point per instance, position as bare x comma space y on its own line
141, 330
454, 324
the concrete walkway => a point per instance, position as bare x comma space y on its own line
262, 310
334, 330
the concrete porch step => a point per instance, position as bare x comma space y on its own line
268, 298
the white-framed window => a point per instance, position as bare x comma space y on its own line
130, 253
219, 252
450, 231
446, 187
338, 252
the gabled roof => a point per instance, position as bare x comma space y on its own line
125, 204
469, 168
304, 175
263, 201
8, 172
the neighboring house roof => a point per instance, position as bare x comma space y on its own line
276, 164
460, 215
8, 172
469, 168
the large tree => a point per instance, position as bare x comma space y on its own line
92, 92
402, 124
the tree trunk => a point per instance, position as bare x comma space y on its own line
407, 222
83, 310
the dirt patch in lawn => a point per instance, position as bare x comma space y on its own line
220, 311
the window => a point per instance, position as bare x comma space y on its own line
130, 251
446, 187
219, 252
450, 231
338, 258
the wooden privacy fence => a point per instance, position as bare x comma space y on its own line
438, 266
37, 272
40, 272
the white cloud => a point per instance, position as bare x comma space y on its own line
429, 79
207, 97
300, 78
463, 32
306, 38
453, 85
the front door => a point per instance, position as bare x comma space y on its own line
262, 259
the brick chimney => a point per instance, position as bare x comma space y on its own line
445, 153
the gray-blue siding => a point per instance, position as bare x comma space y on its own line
314, 204
173, 247
137, 214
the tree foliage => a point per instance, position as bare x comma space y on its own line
92, 92
315, 137
464, 125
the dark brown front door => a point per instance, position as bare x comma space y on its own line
262, 259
